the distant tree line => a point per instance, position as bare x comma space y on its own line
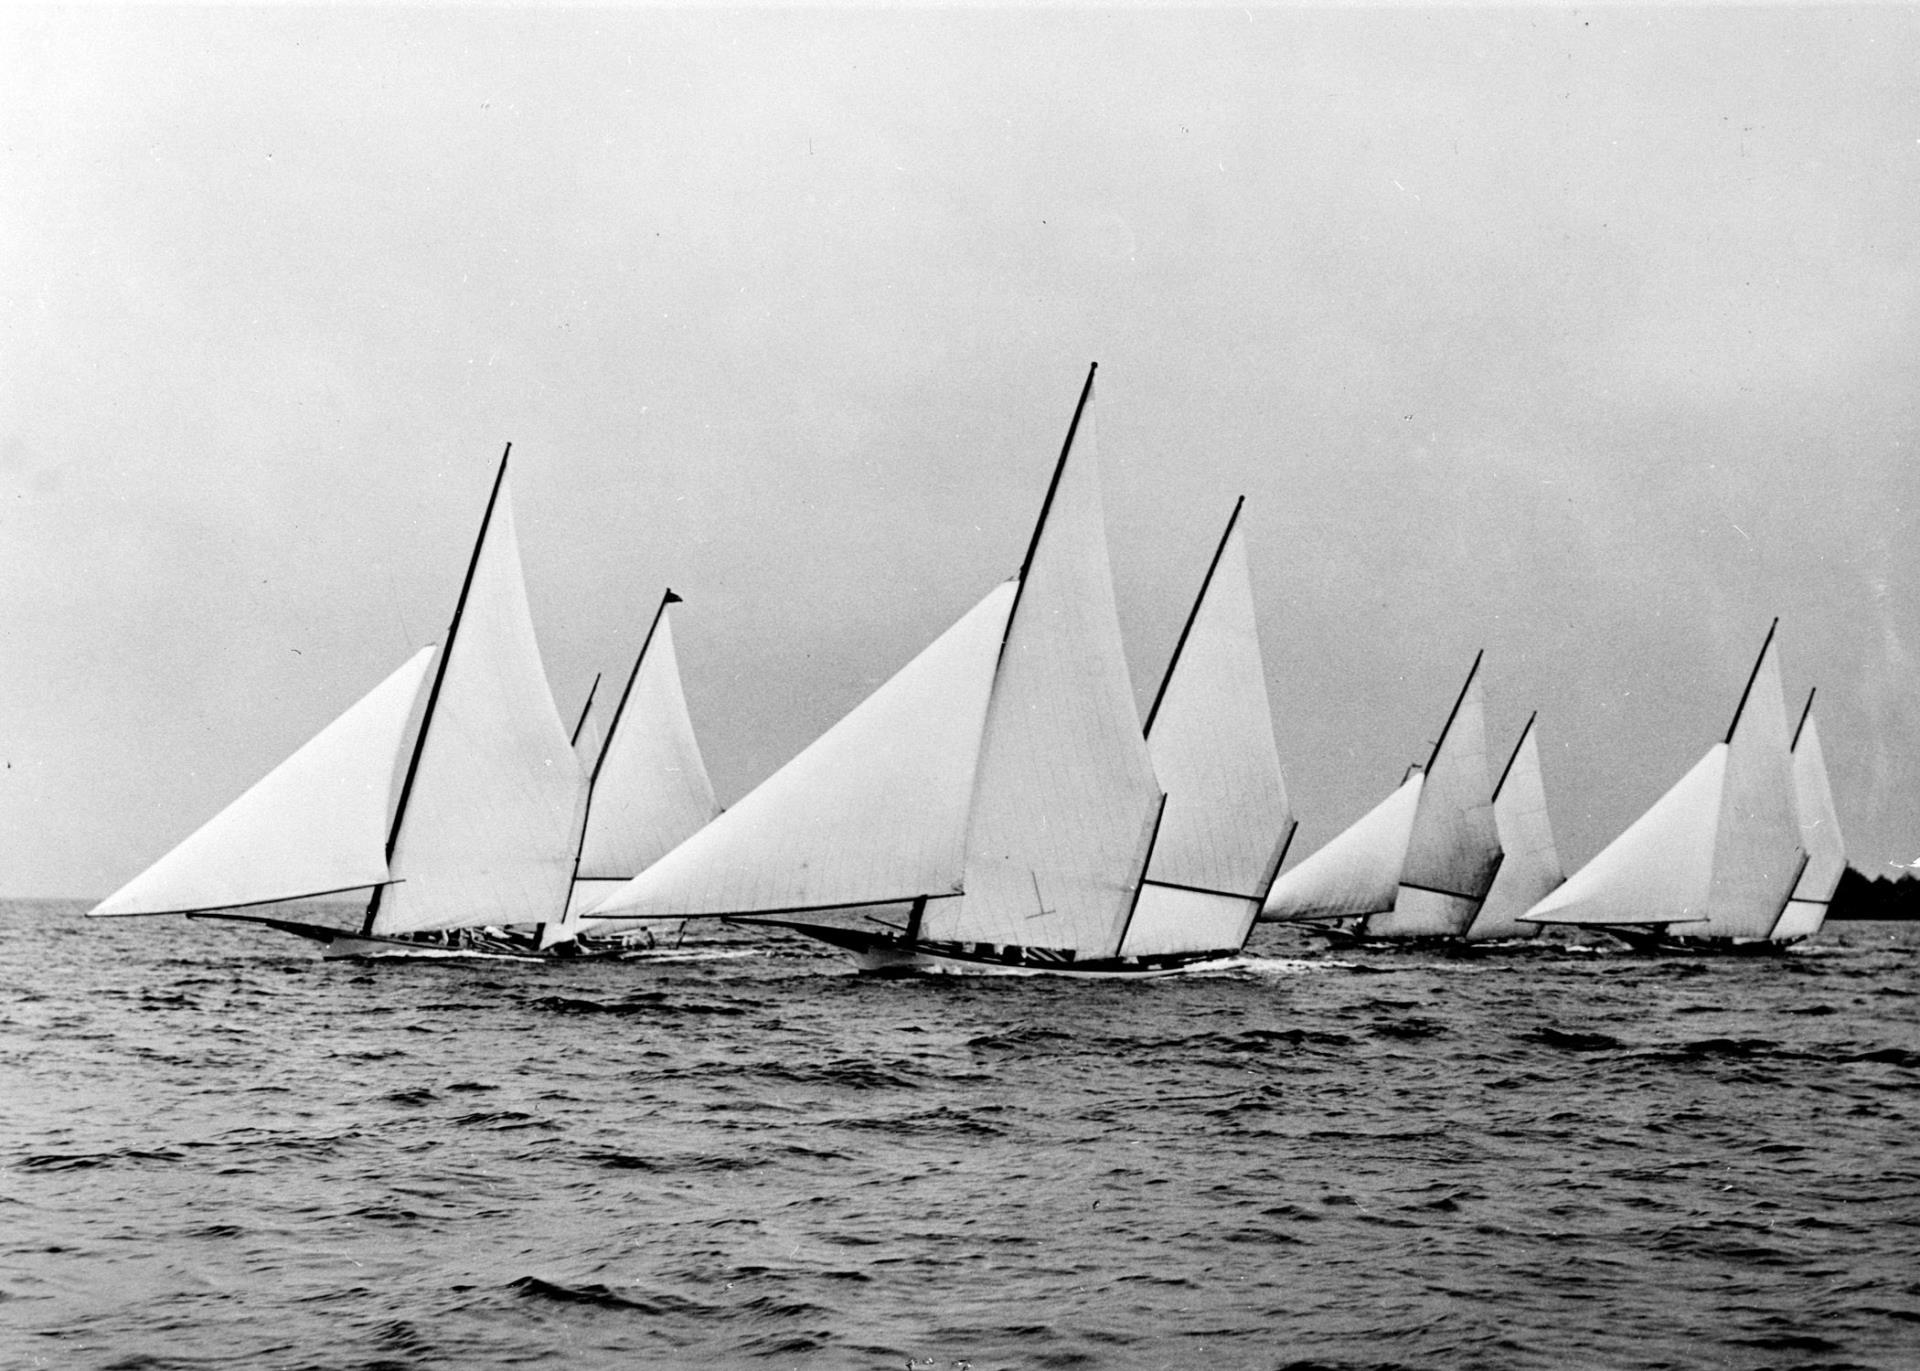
1856, 897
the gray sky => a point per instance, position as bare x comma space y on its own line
1584, 336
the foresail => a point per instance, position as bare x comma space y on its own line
1211, 741
1757, 856
874, 810
1659, 870
1064, 801
488, 833
315, 824
1530, 868
1453, 849
1356, 873
651, 792
1820, 833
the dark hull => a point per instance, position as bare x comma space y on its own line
1657, 942
897, 955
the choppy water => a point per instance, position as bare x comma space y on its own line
219, 1152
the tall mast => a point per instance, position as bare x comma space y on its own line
1040, 524
1193, 614
1805, 714
1458, 700
613, 728
1752, 676
1501, 784
585, 710
439, 676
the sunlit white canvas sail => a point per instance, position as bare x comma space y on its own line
487, 832
1453, 848
315, 824
875, 810
1064, 800
649, 789
1659, 869
1530, 867
1210, 737
1819, 832
1757, 856
1358, 872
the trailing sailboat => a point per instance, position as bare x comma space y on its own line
998, 789
1530, 864
1819, 832
1712, 866
450, 790
1417, 865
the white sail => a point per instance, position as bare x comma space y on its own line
875, 810
1657, 872
315, 824
1453, 849
1064, 800
1210, 738
1757, 856
487, 835
1820, 832
1530, 869
650, 792
1356, 873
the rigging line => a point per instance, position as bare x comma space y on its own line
1805, 714
1453, 713
585, 710
1193, 615
1153, 841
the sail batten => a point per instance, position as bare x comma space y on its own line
315, 825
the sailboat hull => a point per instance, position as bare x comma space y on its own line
892, 954
1661, 943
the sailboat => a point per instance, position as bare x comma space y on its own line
1819, 832
1417, 866
1227, 822
648, 791
450, 790
998, 790
1712, 865
1530, 864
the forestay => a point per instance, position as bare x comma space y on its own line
875, 810
1064, 801
487, 836
1358, 872
315, 824
1210, 738
1453, 848
1530, 867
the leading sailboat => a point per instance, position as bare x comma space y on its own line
998, 791
1713, 864
450, 790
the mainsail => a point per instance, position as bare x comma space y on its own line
1210, 736
1819, 831
314, 825
1530, 867
1064, 800
648, 791
1453, 848
1358, 872
873, 811
484, 831
1717, 855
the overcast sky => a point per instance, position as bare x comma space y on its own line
1584, 336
